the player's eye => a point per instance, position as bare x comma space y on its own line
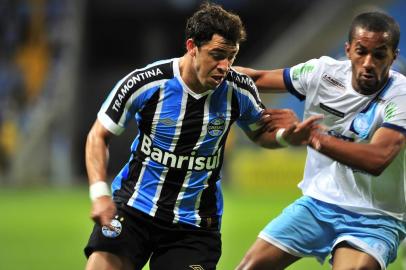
360, 51
218, 56
380, 55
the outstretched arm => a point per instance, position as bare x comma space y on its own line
373, 157
267, 81
281, 127
97, 153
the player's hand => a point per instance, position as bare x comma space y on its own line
273, 119
302, 133
103, 210
316, 136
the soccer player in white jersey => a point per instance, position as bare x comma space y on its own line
353, 205
166, 203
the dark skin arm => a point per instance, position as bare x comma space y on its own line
267, 81
296, 133
372, 157
97, 154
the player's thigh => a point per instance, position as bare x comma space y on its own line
264, 255
129, 239
101, 260
190, 250
346, 257
301, 231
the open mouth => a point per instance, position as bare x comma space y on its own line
217, 78
368, 76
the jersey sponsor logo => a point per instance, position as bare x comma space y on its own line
300, 70
331, 80
242, 81
216, 127
331, 110
171, 160
132, 81
390, 111
115, 230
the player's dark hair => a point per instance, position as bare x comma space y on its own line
376, 22
212, 19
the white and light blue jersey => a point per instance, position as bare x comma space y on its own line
325, 85
174, 170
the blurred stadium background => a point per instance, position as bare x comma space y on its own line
58, 61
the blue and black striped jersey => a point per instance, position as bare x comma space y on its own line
174, 170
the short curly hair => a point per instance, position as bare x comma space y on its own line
376, 22
212, 19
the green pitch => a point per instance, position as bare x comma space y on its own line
47, 228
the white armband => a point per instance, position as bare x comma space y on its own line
98, 189
279, 138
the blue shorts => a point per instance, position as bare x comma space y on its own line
309, 227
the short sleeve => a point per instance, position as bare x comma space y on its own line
395, 114
251, 108
124, 100
299, 78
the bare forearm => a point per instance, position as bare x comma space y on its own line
267, 140
97, 154
282, 128
270, 81
372, 157
267, 81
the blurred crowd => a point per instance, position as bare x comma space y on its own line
29, 47
37, 45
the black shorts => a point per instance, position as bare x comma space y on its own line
140, 237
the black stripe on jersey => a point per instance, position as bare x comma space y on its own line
189, 136
132, 83
235, 108
332, 111
147, 114
208, 200
245, 82
145, 126
127, 185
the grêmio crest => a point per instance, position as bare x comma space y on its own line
216, 126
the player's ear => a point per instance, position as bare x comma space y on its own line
396, 53
347, 49
191, 47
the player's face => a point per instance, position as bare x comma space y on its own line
371, 56
213, 60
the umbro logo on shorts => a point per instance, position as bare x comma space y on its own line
196, 267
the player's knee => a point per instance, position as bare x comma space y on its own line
347, 265
254, 262
249, 262
358, 267
106, 261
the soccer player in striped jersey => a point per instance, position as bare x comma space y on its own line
167, 200
354, 196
